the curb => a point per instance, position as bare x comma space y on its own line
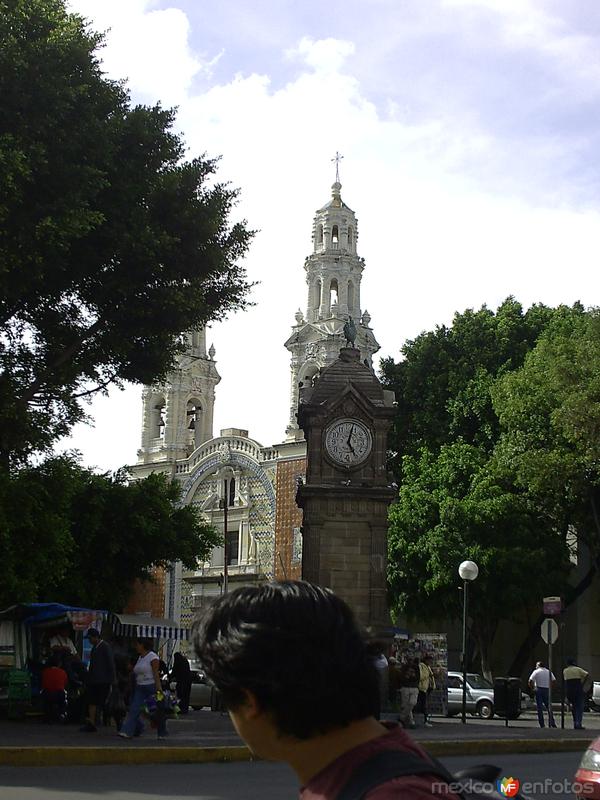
83, 756
480, 747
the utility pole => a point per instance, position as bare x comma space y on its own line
225, 549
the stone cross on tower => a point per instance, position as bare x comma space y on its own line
337, 160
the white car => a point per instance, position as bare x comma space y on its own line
595, 698
480, 695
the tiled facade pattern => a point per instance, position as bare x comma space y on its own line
288, 519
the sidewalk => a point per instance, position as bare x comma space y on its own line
206, 736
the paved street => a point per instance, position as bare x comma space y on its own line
245, 781
208, 729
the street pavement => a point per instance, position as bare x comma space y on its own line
211, 729
239, 781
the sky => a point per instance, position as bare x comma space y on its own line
470, 134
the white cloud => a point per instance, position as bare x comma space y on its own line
149, 47
324, 55
437, 237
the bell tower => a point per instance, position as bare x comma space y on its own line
333, 276
178, 414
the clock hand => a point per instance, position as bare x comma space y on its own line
350, 436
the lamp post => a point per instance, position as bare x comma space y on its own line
225, 476
468, 571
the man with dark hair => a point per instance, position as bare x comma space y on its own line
300, 686
100, 677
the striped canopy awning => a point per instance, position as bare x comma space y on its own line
131, 625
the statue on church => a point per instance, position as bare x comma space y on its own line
350, 332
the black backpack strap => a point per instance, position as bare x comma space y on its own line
385, 766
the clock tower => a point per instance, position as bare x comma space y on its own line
345, 416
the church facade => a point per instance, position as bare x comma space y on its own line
247, 491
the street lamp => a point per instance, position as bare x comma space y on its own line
468, 571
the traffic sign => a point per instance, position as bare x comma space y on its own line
552, 606
549, 631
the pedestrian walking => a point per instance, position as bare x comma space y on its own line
182, 675
100, 677
426, 686
540, 681
147, 684
408, 679
574, 678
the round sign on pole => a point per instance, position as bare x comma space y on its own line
549, 631
552, 606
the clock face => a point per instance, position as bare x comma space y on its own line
348, 442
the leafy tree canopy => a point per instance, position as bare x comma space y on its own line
443, 382
549, 411
496, 456
70, 535
111, 243
458, 505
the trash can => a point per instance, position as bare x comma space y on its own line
507, 697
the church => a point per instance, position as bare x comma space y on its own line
246, 490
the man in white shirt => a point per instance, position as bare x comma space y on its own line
540, 681
62, 642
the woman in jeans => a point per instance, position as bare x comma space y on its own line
147, 682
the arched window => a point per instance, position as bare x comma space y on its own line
335, 236
333, 292
160, 416
350, 296
193, 420
350, 235
309, 374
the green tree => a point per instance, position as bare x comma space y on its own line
451, 422
550, 415
443, 381
458, 505
111, 243
71, 535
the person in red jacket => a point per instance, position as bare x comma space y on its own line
295, 674
54, 696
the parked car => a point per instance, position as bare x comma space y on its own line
480, 695
595, 697
587, 776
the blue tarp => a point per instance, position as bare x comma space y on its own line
32, 613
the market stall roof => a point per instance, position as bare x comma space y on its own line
150, 627
40, 613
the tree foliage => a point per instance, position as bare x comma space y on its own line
111, 243
443, 380
550, 414
71, 535
458, 505
497, 460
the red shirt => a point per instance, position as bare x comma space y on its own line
327, 784
54, 679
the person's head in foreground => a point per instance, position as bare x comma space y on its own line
296, 676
